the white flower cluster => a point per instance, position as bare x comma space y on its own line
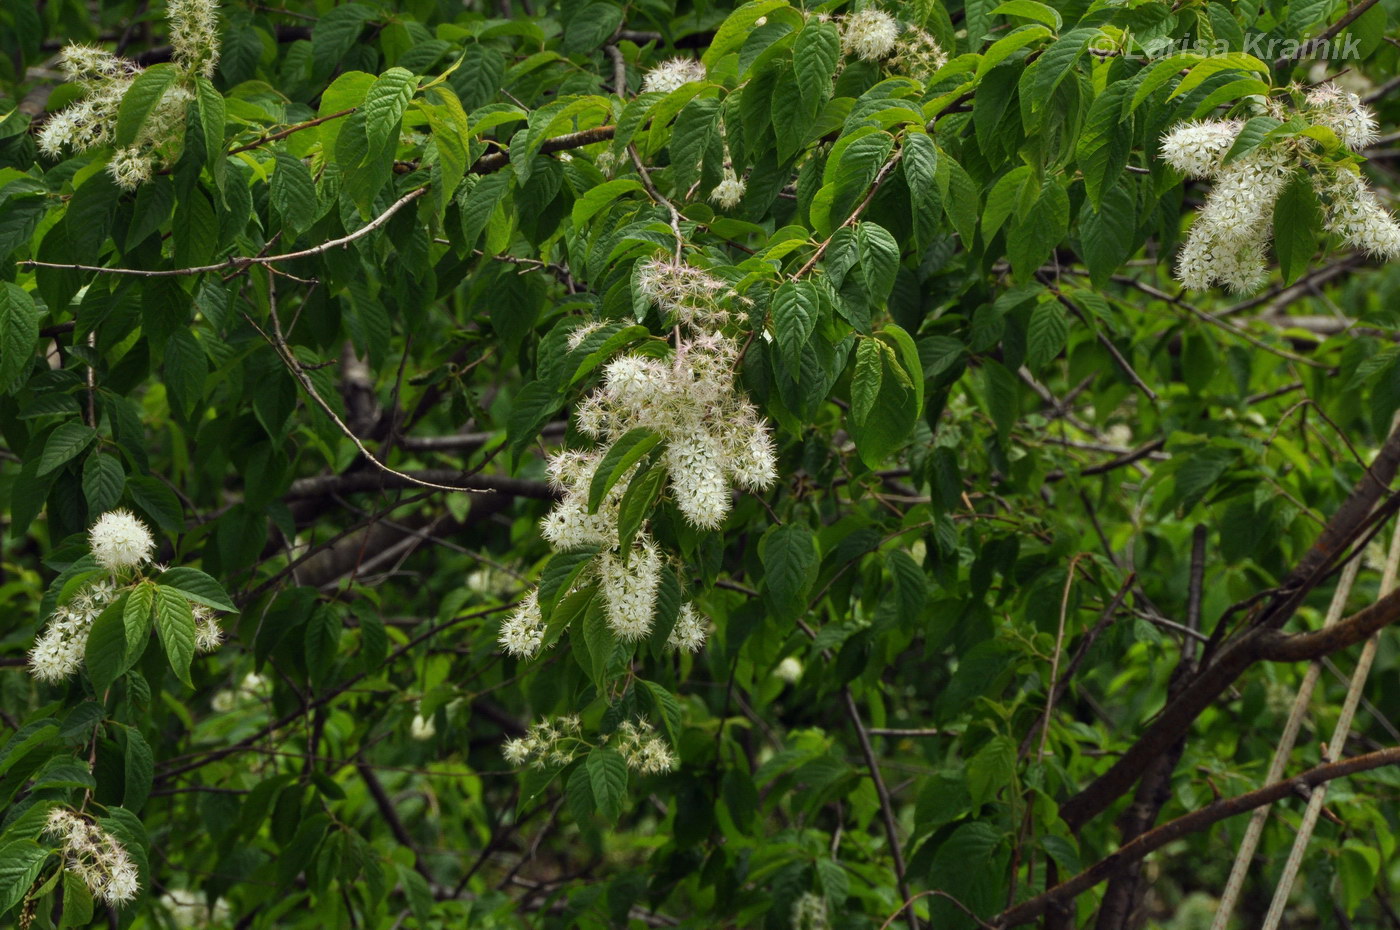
119, 540
918, 54
809, 912
421, 729
105, 78
120, 543
672, 74
548, 742
869, 34
689, 632
729, 191
1228, 242
189, 910
714, 437
94, 855
250, 689
58, 651
642, 750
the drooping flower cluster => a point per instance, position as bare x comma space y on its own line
105, 78
190, 910
918, 54
642, 749
729, 191
422, 728
672, 74
548, 742
712, 438
869, 34
94, 855
58, 651
120, 544
809, 912
1228, 242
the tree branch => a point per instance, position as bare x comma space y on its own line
1194, 822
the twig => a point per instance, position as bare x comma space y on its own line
1194, 822
1322, 38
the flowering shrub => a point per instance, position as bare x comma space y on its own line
755, 465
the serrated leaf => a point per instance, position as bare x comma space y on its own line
637, 503
607, 777
1046, 333
293, 192
139, 763
196, 586
789, 557
815, 52
796, 308
140, 101
627, 451
879, 259
560, 574
103, 481
64, 443
138, 617
105, 655
384, 107
20, 864
1297, 223
175, 627
19, 332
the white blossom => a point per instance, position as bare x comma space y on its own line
689, 632
120, 540
917, 54
629, 589
869, 34
190, 910
789, 670
1343, 112
1196, 148
672, 74
1353, 213
729, 191
422, 728
642, 750
94, 855
58, 651
523, 632
207, 633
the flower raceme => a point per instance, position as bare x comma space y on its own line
713, 439
105, 78
1228, 242
120, 544
94, 855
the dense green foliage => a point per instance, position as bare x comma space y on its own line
320, 315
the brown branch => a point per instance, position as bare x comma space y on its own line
886, 805
1302, 647
353, 482
276, 136
1310, 45
1194, 822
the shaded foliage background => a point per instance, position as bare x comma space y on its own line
1001, 426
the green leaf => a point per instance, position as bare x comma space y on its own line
293, 192
1034, 236
1046, 334
1251, 136
138, 616
140, 101
1030, 9
336, 33
815, 53
384, 107
1108, 233
607, 776
627, 451
697, 127
908, 353
789, 556
140, 766
1297, 223
879, 259
865, 383
736, 28
598, 198
562, 572
637, 503
196, 586
796, 308
175, 627
20, 864
212, 118
889, 415
993, 768
19, 333
64, 443
77, 900
105, 655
